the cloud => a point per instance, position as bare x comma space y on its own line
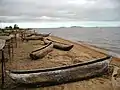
32, 19
57, 10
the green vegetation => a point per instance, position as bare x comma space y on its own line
16, 26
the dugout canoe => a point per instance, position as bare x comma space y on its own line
7, 38
2, 44
36, 34
43, 35
61, 74
33, 38
42, 52
59, 45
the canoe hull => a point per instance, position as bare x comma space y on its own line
42, 52
58, 45
61, 75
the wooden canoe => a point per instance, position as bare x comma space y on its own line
33, 38
43, 35
61, 74
42, 52
2, 44
59, 45
7, 38
36, 34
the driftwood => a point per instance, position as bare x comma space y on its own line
42, 52
62, 74
59, 45
33, 38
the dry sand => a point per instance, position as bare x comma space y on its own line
54, 59
79, 53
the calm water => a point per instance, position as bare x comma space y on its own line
108, 38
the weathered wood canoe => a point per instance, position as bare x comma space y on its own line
59, 45
33, 38
2, 44
7, 38
43, 35
36, 34
42, 52
61, 74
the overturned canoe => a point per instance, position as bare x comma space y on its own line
61, 74
59, 45
42, 52
43, 35
33, 38
29, 35
36, 34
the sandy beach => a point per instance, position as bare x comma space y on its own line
79, 53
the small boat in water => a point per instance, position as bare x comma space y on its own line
59, 45
42, 52
61, 74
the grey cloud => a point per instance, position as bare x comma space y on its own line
57, 10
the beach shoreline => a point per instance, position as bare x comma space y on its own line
85, 51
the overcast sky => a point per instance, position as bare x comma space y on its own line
59, 10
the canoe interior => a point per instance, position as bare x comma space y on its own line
59, 68
42, 47
42, 52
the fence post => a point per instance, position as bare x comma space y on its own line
3, 69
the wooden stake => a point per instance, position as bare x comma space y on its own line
9, 51
3, 68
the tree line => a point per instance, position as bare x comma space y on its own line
10, 27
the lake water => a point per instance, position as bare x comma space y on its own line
106, 37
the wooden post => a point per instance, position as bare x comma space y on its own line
3, 69
9, 51
16, 39
12, 49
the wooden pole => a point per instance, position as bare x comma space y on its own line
3, 69
16, 39
9, 50
12, 49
